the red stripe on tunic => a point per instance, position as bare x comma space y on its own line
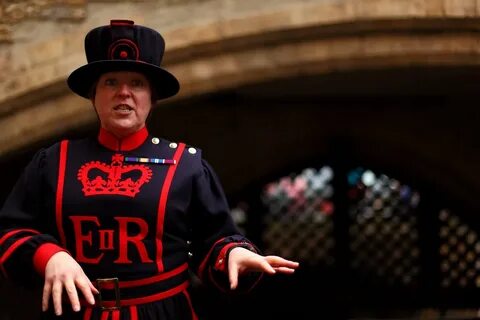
104, 315
133, 313
59, 195
163, 204
88, 314
116, 315
187, 296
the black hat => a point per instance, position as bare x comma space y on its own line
123, 46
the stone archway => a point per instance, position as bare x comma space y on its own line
214, 45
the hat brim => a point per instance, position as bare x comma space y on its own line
163, 82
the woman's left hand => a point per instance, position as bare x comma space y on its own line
242, 260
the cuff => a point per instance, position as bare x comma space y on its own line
43, 254
221, 264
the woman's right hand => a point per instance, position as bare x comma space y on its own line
62, 272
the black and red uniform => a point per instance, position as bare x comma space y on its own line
142, 210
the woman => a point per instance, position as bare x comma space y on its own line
113, 224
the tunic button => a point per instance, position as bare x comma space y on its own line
192, 150
155, 140
173, 145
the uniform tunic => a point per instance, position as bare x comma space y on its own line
143, 210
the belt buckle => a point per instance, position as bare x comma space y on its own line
108, 283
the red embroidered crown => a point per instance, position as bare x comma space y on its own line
99, 178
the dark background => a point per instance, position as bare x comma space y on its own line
419, 125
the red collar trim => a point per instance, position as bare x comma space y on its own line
131, 142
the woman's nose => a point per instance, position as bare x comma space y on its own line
123, 90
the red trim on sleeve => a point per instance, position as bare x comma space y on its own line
43, 254
203, 264
14, 232
162, 204
10, 250
59, 195
221, 262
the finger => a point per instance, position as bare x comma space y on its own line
276, 261
86, 288
72, 295
261, 265
47, 289
267, 267
291, 264
57, 297
92, 287
284, 270
233, 277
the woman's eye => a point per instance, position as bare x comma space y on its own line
110, 82
137, 83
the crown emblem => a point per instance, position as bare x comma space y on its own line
116, 178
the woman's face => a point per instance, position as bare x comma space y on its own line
122, 101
